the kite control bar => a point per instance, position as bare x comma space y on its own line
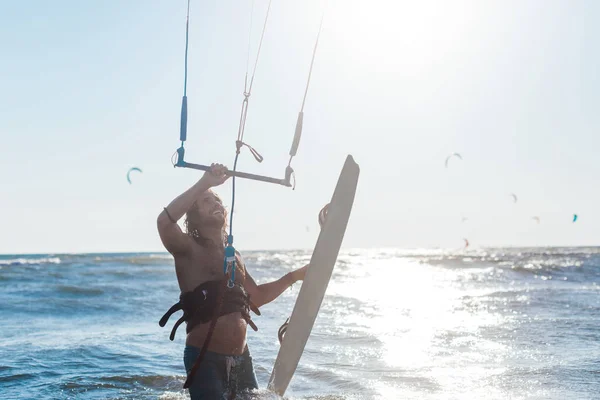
238, 174
245, 175
289, 172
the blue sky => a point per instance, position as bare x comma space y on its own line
90, 89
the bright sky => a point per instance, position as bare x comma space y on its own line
90, 89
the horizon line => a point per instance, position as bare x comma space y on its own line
308, 249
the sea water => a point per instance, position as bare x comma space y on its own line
395, 324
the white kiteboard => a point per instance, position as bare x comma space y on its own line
317, 278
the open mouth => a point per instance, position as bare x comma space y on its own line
217, 212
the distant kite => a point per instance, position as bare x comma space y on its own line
129, 173
466, 243
450, 156
574, 217
537, 219
514, 196
464, 219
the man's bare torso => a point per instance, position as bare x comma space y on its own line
205, 264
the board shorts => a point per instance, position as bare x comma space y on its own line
220, 376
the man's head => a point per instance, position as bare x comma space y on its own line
206, 216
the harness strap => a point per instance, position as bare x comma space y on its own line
253, 307
179, 322
249, 321
165, 318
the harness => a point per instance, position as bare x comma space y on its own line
206, 303
200, 304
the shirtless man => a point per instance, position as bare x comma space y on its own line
226, 367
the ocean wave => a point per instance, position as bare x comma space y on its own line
17, 377
88, 259
79, 290
30, 261
131, 382
136, 259
144, 380
520, 260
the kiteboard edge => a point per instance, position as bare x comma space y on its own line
317, 278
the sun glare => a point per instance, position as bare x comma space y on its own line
398, 32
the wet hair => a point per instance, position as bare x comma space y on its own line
193, 220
